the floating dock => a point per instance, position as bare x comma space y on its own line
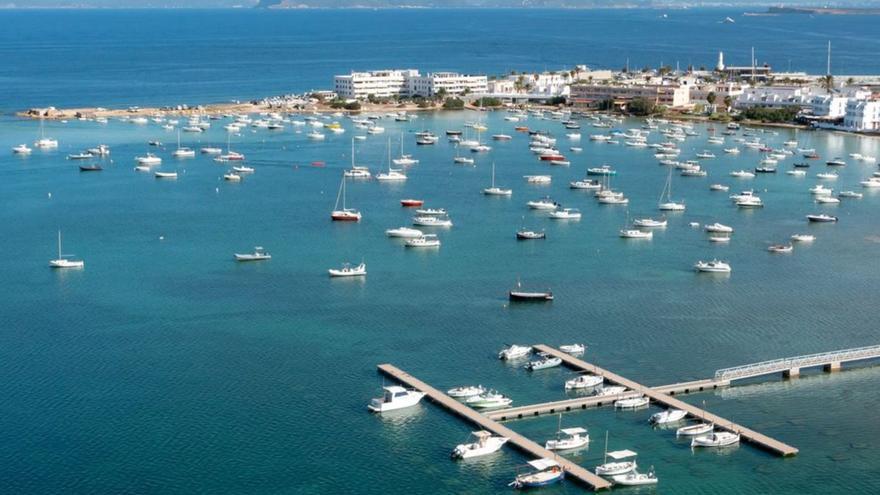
669, 401
572, 470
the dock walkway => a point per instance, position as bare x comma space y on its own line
572, 470
668, 400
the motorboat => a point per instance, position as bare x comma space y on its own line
765, 170
796, 172
585, 184
836, 162
827, 176
391, 175
871, 182
649, 223
820, 190
742, 174
631, 402
584, 381
573, 349
545, 179
821, 218
543, 204
636, 234
91, 168
668, 416
344, 214
546, 472
502, 137
514, 352
463, 160
243, 170
568, 439
603, 170
803, 238
431, 212
544, 362
349, 270
431, 221
530, 235
404, 232
610, 390
394, 398
484, 444
148, 160
705, 155
719, 238
21, 149
716, 439
63, 260
566, 214
358, 172
713, 266
614, 199
750, 202
718, 228
425, 241
517, 294
80, 156
780, 248
316, 136
259, 254
411, 203
827, 200
466, 391
850, 194
210, 150
489, 400
166, 175
694, 430
635, 479
232, 177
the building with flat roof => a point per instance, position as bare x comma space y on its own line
668, 95
379, 83
452, 83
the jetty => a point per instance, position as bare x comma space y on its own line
572, 470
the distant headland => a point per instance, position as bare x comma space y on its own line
824, 10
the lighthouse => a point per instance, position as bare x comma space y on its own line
720, 65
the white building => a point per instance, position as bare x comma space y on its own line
831, 106
776, 97
452, 82
379, 83
862, 115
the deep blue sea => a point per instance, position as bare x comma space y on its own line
166, 367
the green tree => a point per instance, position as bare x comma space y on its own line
828, 83
711, 97
728, 101
441, 94
641, 107
453, 104
850, 81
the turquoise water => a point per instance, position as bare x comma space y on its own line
164, 366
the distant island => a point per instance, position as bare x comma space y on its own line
825, 10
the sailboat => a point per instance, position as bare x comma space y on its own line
462, 159
568, 438
344, 214
669, 204
63, 261
182, 152
479, 127
404, 159
496, 191
229, 155
356, 172
618, 466
393, 174
44, 142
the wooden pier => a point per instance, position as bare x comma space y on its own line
572, 470
669, 401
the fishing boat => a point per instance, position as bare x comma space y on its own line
489, 400
583, 381
466, 391
631, 402
635, 479
63, 260
821, 218
493, 190
394, 398
344, 214
484, 444
716, 439
619, 465
514, 352
546, 472
545, 362
349, 270
425, 241
259, 254
517, 294
404, 232
568, 438
713, 266
668, 416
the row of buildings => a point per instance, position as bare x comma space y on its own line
407, 83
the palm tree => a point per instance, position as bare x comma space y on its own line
828, 83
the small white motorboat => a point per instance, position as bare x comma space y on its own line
243, 170
568, 439
484, 444
259, 254
716, 439
566, 214
545, 179
584, 381
780, 248
718, 228
545, 362
631, 403
232, 177
425, 241
166, 175
713, 266
610, 390
573, 349
21, 149
543, 204
404, 232
489, 400
395, 397
349, 270
514, 352
821, 218
636, 234
668, 416
694, 430
465, 391
148, 160
803, 238
210, 150
635, 479
850, 194
719, 187
431, 221
742, 174
827, 200
649, 223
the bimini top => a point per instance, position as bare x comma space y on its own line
573, 431
621, 454
394, 389
542, 464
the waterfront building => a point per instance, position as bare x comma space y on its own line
670, 95
862, 115
699, 92
776, 97
378, 83
452, 83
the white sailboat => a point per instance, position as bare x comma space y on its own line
344, 214
62, 261
392, 174
619, 465
404, 159
182, 152
494, 190
44, 142
669, 204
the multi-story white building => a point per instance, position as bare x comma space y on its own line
862, 115
379, 83
452, 83
829, 106
669, 95
776, 97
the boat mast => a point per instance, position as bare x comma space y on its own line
605, 459
59, 243
493, 175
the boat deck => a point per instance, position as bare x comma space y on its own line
572, 470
